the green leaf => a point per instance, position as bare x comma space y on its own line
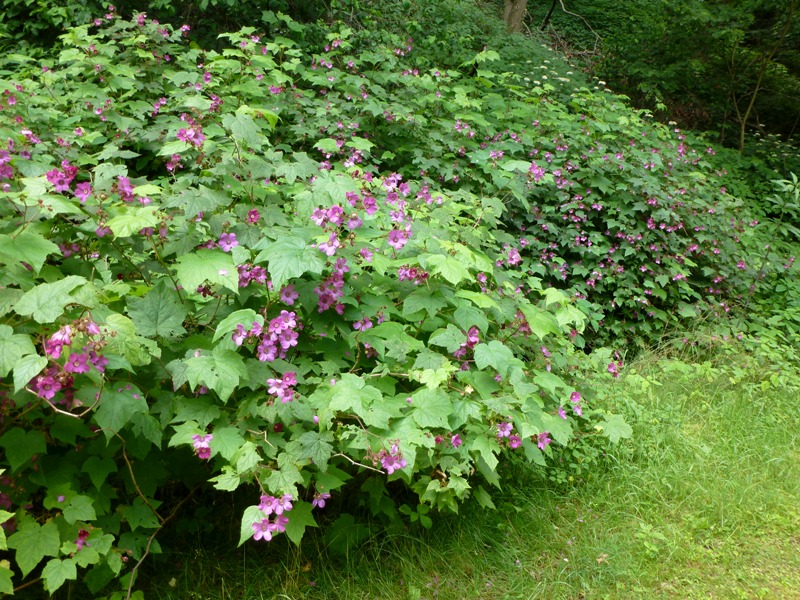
352, 394
56, 572
431, 408
6, 584
540, 321
12, 347
139, 514
549, 381
81, 508
285, 479
360, 144
33, 542
26, 368
497, 355
317, 446
335, 186
303, 167
518, 166
559, 429
246, 457
46, 302
136, 349
250, 516
467, 316
98, 469
227, 481
449, 267
4, 516
478, 299
194, 201
214, 266
202, 409
147, 189
21, 445
450, 338
117, 406
423, 299
159, 313
330, 480
219, 370
300, 517
29, 247
243, 127
329, 145
484, 499
132, 220
174, 147
485, 449
615, 428
226, 441
290, 257
246, 316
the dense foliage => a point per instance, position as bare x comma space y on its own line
317, 262
212, 269
729, 67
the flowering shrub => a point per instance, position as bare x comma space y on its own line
217, 267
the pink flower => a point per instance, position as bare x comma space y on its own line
263, 530
77, 363
253, 216
456, 440
227, 242
289, 295
201, 445
82, 191
319, 500
504, 429
398, 239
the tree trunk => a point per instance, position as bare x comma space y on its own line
549, 14
514, 14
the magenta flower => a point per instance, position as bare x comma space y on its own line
398, 239
253, 216
280, 523
83, 191
362, 325
83, 534
456, 440
99, 361
504, 429
47, 387
78, 362
201, 445
283, 504
263, 530
267, 504
543, 440
289, 295
330, 247
227, 242
514, 441
319, 500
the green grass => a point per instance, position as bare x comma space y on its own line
703, 503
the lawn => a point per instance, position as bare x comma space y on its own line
704, 502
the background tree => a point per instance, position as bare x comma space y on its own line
514, 14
